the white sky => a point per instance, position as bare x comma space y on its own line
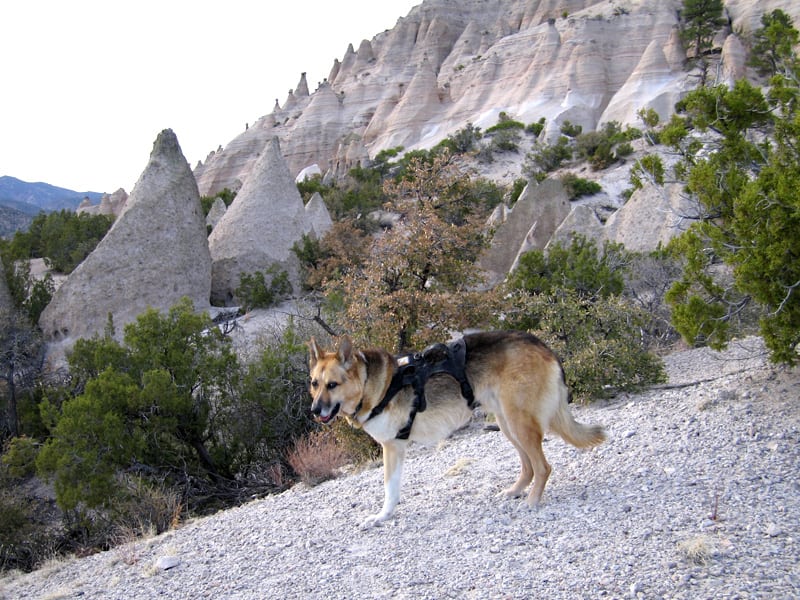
89, 84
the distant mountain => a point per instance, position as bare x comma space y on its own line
30, 198
12, 220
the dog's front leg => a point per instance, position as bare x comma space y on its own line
394, 453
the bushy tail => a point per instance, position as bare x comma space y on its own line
577, 434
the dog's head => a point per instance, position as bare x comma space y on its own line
335, 384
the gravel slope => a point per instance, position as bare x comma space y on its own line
695, 495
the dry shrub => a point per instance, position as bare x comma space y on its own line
147, 508
276, 475
317, 457
357, 443
698, 549
27, 537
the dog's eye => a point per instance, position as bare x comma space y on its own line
332, 385
315, 384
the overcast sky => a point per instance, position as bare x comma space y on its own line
89, 84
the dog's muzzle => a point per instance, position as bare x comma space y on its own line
331, 413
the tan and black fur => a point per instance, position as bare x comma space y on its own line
513, 375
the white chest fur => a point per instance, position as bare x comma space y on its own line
384, 427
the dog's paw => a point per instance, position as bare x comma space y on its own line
374, 521
511, 493
370, 522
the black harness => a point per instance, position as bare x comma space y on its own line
415, 369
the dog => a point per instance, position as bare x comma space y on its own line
511, 374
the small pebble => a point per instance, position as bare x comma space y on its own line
168, 562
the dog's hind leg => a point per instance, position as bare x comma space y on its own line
526, 473
541, 468
526, 434
394, 453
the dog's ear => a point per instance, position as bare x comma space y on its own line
345, 351
313, 353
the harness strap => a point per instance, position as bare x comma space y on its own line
415, 369
455, 365
400, 379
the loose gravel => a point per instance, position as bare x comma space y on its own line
694, 495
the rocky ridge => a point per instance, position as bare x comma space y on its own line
446, 64
110, 204
693, 496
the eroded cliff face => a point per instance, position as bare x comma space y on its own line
450, 62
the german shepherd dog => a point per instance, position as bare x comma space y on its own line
513, 375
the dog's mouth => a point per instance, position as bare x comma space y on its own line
330, 416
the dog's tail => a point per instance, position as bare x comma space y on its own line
577, 434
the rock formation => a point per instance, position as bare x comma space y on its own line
651, 216
449, 62
582, 220
734, 60
155, 253
318, 216
216, 212
529, 225
259, 228
745, 15
109, 204
653, 79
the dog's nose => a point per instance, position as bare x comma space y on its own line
316, 408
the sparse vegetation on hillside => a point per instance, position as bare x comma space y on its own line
601, 149
572, 297
745, 185
701, 20
578, 186
545, 158
606, 146
356, 195
62, 238
255, 292
462, 141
